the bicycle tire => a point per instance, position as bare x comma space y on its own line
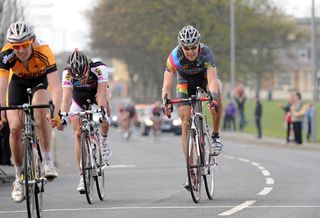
100, 177
193, 166
28, 175
86, 166
39, 185
209, 166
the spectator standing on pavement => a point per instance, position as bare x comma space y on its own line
288, 118
298, 111
309, 115
5, 152
258, 115
229, 121
240, 98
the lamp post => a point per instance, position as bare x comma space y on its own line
314, 76
232, 49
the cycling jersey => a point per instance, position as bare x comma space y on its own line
34, 76
41, 62
81, 92
190, 74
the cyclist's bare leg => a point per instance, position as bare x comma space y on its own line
216, 117
77, 134
184, 112
43, 128
15, 120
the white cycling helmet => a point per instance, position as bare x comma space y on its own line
188, 36
20, 32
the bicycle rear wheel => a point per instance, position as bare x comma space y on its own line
100, 177
193, 166
86, 166
28, 175
209, 168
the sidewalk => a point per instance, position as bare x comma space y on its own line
251, 138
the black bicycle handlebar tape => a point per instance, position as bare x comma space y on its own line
51, 108
103, 113
166, 102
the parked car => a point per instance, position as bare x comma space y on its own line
172, 124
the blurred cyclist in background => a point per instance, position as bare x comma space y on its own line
157, 118
193, 64
85, 79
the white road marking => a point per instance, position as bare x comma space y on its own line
265, 191
229, 157
269, 181
265, 172
237, 208
261, 168
255, 164
159, 208
122, 166
243, 160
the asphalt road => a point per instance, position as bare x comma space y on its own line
145, 180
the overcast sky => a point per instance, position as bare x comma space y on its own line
64, 25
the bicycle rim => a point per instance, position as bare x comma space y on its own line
29, 186
99, 178
209, 166
193, 167
86, 167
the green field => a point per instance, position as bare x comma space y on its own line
272, 118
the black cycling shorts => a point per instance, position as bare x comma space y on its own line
187, 86
17, 93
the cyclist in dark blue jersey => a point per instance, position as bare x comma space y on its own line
193, 64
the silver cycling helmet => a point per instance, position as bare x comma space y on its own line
188, 36
20, 32
78, 65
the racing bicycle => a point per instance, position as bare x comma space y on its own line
32, 177
200, 163
91, 163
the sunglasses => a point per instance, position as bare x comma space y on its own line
17, 46
186, 48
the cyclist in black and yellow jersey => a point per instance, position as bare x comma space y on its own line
26, 62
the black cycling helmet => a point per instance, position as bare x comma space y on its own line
78, 64
188, 36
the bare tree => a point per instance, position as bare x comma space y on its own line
9, 13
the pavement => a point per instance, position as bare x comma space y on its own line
7, 173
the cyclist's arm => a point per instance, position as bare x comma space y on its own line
102, 94
167, 84
66, 99
212, 79
56, 90
3, 91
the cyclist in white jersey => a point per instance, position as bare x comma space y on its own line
85, 79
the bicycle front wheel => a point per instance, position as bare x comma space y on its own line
28, 178
209, 168
86, 166
193, 166
39, 185
100, 176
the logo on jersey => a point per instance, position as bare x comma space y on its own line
184, 67
98, 71
7, 58
68, 76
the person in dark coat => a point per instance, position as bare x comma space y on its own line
258, 115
